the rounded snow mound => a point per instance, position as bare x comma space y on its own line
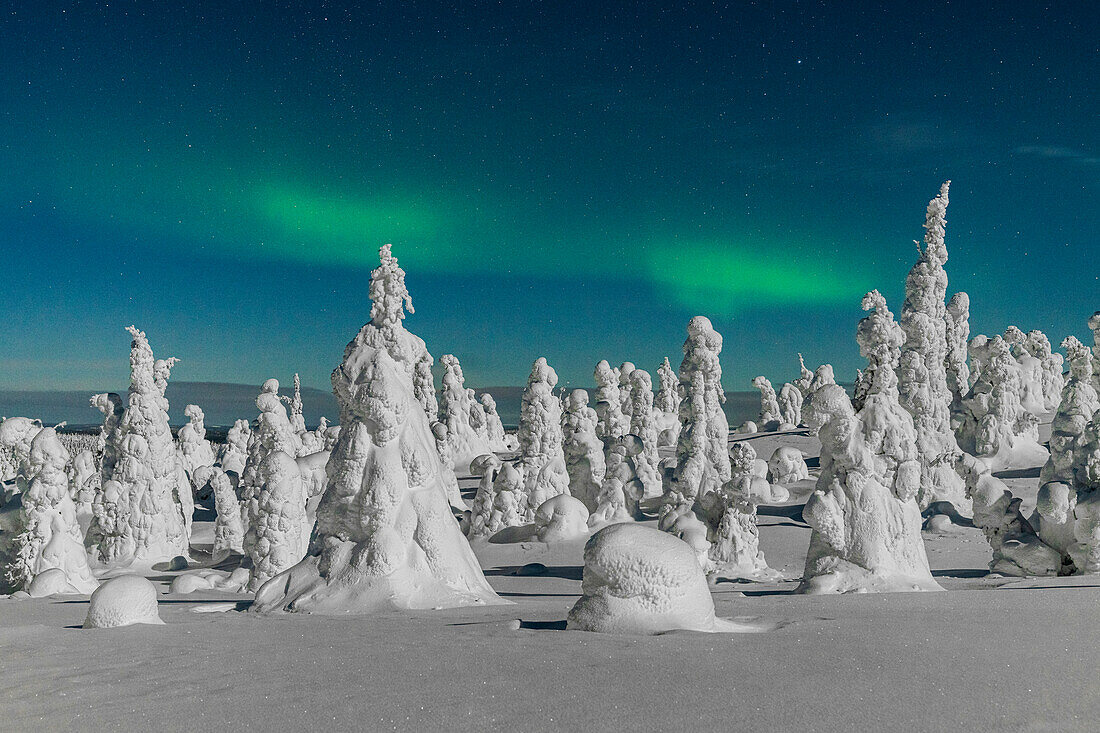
561, 518
122, 601
639, 580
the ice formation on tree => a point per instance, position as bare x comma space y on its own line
994, 424
1017, 548
922, 373
228, 529
465, 443
805, 377
865, 519
1050, 365
277, 528
486, 467
770, 416
494, 428
385, 536
1094, 326
608, 402
584, 451
16, 436
235, 454
787, 466
297, 417
624, 372
622, 488
195, 449
141, 513
640, 581
122, 601
542, 459
273, 433
48, 536
643, 425
702, 460
730, 515
1079, 405
790, 406
110, 404
879, 338
957, 325
667, 405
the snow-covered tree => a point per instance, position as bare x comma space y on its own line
770, 416
195, 449
608, 406
957, 331
542, 459
584, 452
922, 374
465, 443
141, 514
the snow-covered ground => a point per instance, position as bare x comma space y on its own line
990, 654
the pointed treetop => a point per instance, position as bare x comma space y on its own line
388, 293
935, 227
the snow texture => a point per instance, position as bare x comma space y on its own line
922, 371
560, 519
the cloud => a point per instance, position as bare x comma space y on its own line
1057, 152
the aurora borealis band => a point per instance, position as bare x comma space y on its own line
565, 180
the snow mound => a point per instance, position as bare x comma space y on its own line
561, 518
639, 580
122, 601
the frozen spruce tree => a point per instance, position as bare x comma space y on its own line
465, 443
1050, 366
195, 449
879, 338
279, 526
385, 537
235, 453
1029, 370
228, 529
110, 404
958, 334
294, 402
625, 370
922, 374
608, 406
643, 425
667, 405
702, 460
584, 454
48, 536
805, 377
770, 416
731, 518
995, 426
494, 428
790, 406
139, 516
542, 459
1078, 406
273, 433
864, 515
478, 419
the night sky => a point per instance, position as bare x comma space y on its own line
565, 180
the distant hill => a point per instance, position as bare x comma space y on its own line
224, 403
